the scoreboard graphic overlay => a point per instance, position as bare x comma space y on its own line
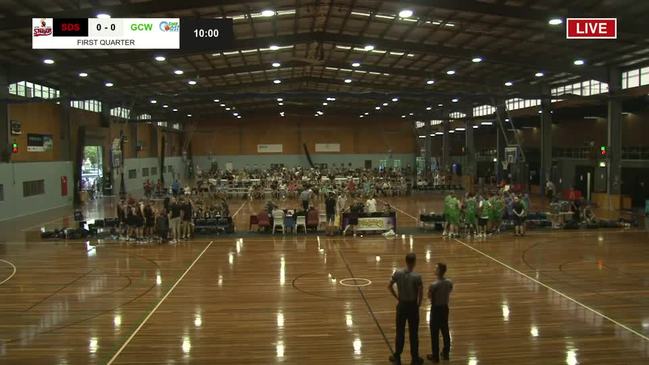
132, 33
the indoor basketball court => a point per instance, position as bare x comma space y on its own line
324, 182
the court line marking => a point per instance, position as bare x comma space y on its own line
342, 282
367, 303
619, 324
12, 273
401, 211
242, 205
139, 327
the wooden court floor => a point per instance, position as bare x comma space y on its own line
578, 297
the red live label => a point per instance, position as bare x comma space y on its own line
591, 28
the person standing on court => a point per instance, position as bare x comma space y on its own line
439, 293
409, 295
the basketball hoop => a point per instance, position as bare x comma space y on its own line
505, 164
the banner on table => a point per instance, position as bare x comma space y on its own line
374, 223
270, 148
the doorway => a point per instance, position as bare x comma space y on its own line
582, 176
92, 170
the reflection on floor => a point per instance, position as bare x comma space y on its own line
549, 298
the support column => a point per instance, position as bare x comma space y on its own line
66, 129
446, 144
5, 134
500, 141
428, 149
470, 168
614, 138
545, 168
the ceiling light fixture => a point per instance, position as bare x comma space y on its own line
179, 72
509, 83
429, 108
405, 13
160, 58
83, 74
347, 81
189, 115
356, 64
277, 81
325, 103
174, 110
267, 12
280, 99
377, 107
191, 82
476, 59
280, 104
455, 100
216, 100
440, 105
153, 101
273, 47
102, 16
579, 62
109, 84
539, 74
369, 47
48, 61
450, 72
394, 100
385, 104
165, 106
555, 21
430, 82
276, 64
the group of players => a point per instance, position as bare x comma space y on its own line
143, 221
479, 215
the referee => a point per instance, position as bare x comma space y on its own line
410, 294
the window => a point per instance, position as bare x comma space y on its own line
177, 126
89, 105
35, 187
132, 174
120, 112
456, 115
31, 90
143, 117
482, 110
162, 124
154, 171
145, 171
635, 78
419, 124
584, 88
517, 103
435, 122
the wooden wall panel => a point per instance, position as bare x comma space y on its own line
354, 135
37, 118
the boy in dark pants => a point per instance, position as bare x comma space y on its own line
439, 293
410, 293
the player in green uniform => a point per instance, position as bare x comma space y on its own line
471, 214
453, 218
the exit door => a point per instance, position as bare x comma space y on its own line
584, 179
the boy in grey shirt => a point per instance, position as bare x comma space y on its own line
410, 293
439, 293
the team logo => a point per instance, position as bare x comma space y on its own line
166, 26
42, 29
